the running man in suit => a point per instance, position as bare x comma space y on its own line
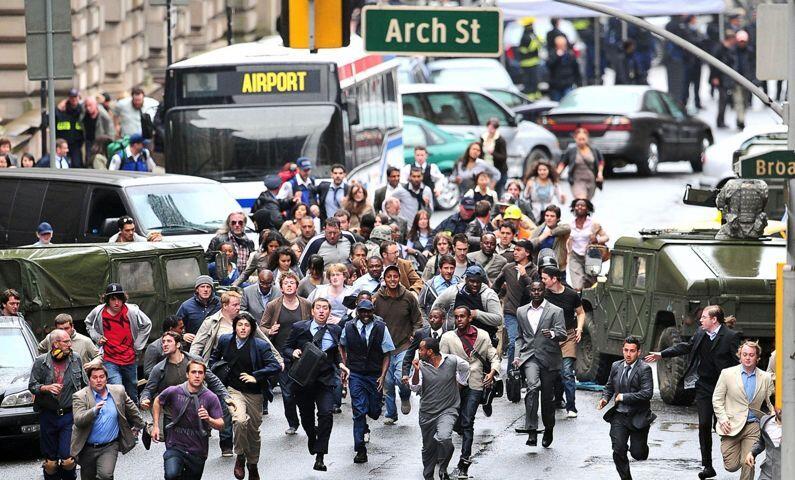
631, 386
541, 328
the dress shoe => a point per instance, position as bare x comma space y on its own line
253, 472
240, 467
361, 456
708, 472
546, 441
532, 439
319, 465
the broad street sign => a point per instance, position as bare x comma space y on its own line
772, 164
36, 28
440, 32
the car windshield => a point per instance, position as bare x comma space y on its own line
14, 351
246, 143
608, 101
475, 77
181, 208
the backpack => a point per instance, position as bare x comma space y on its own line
119, 145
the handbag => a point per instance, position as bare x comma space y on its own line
221, 369
304, 370
513, 385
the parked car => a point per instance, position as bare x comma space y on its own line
180, 207
465, 111
476, 72
444, 148
69, 279
631, 124
18, 420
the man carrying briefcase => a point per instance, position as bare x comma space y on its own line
318, 380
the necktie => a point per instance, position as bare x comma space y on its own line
321, 332
336, 200
364, 334
625, 377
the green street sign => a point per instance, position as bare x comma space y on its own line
772, 164
440, 32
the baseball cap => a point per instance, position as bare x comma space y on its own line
475, 271
304, 163
114, 289
512, 213
137, 138
391, 267
365, 305
73, 92
468, 203
272, 182
44, 227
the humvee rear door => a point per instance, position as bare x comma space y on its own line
639, 295
140, 279
614, 306
181, 273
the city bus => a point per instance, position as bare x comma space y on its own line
241, 112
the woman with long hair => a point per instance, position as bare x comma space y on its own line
542, 188
586, 166
357, 204
282, 261
421, 235
470, 164
27, 161
442, 245
97, 156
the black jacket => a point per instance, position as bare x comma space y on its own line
301, 335
564, 71
378, 199
453, 224
267, 212
499, 156
638, 399
322, 192
724, 349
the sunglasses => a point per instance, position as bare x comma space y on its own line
237, 222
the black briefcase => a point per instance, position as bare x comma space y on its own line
304, 370
513, 385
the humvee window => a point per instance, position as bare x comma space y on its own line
136, 276
617, 269
639, 272
182, 272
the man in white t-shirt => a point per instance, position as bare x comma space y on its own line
127, 113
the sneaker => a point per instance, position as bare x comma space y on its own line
390, 421
405, 406
290, 431
571, 414
227, 452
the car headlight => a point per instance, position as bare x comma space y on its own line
21, 399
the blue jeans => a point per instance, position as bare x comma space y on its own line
180, 465
392, 380
126, 375
512, 326
365, 402
569, 384
54, 439
470, 401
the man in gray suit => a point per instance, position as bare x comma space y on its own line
256, 297
541, 327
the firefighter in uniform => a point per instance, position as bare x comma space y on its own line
529, 57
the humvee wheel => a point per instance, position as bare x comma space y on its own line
671, 371
591, 366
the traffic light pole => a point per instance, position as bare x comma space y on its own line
787, 373
50, 86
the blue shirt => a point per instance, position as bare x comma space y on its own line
327, 341
106, 423
439, 284
334, 198
387, 345
749, 384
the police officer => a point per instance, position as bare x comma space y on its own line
69, 126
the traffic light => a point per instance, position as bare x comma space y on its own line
332, 23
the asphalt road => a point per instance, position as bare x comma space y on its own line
581, 446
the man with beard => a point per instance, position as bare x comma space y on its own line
234, 232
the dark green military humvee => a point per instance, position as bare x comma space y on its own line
657, 286
71, 278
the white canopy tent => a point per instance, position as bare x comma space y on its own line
513, 9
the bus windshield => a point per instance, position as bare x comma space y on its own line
245, 143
